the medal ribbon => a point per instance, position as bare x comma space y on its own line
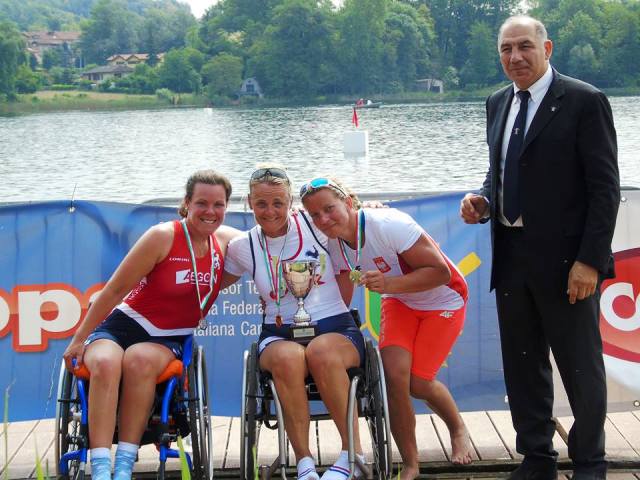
201, 302
275, 278
359, 234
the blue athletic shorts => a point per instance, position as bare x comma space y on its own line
123, 330
342, 324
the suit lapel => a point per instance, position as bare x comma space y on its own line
551, 104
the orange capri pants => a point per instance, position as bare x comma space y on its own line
427, 335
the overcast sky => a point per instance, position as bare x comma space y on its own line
199, 6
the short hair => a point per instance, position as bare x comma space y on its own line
541, 31
209, 177
271, 179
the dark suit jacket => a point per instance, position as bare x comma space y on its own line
568, 177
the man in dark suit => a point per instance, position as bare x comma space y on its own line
552, 194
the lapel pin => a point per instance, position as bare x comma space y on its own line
554, 108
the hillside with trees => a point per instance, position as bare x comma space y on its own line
306, 49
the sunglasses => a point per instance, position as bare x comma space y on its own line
262, 173
318, 183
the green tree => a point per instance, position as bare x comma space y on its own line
361, 47
12, 55
27, 81
51, 58
111, 29
408, 45
454, 19
294, 56
223, 75
177, 74
481, 67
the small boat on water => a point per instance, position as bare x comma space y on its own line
369, 104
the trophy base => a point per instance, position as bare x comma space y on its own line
303, 334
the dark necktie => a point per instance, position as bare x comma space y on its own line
510, 196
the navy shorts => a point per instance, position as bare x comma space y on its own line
342, 324
123, 330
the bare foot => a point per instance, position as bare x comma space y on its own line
409, 473
461, 448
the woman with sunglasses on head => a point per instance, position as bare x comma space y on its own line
423, 305
280, 236
140, 319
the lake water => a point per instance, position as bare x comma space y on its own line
140, 155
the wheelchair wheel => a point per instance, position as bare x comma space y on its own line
200, 417
69, 436
248, 429
376, 412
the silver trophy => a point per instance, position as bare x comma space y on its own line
300, 276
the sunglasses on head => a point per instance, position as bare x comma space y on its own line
270, 172
318, 183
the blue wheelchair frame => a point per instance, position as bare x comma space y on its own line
165, 452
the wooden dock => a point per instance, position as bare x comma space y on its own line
491, 433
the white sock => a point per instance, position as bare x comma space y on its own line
101, 452
128, 447
307, 469
340, 469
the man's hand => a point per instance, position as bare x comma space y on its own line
583, 280
473, 208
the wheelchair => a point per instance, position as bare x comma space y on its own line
260, 405
181, 407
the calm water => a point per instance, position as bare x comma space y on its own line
139, 155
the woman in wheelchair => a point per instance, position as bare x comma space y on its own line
423, 305
338, 345
137, 324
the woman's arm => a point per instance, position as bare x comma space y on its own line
151, 248
429, 267
346, 287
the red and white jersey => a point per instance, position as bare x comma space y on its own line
388, 233
165, 302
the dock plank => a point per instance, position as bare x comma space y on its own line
232, 457
35, 446
445, 438
629, 426
501, 420
429, 445
329, 442
615, 444
220, 429
484, 436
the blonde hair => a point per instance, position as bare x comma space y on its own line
270, 179
209, 177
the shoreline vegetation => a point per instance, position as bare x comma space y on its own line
47, 101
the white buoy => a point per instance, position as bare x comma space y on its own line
356, 142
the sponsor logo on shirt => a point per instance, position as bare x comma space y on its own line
187, 276
381, 264
179, 259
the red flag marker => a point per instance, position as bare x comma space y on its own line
354, 118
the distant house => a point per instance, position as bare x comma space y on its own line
131, 59
430, 85
250, 86
100, 74
65, 42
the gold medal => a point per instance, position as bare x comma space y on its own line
278, 320
355, 275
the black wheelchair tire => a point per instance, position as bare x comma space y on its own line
199, 416
66, 440
248, 421
376, 413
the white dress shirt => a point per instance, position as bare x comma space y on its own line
538, 90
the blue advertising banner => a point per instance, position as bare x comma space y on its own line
56, 257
